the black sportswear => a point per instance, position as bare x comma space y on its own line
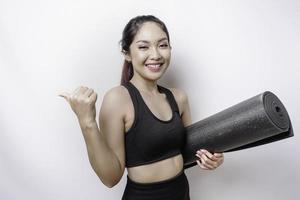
151, 139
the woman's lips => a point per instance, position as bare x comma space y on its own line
155, 67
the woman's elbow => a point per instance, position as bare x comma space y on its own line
111, 179
111, 184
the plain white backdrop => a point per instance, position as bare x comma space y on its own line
223, 52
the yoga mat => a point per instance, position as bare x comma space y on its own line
256, 121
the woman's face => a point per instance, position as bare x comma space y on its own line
149, 52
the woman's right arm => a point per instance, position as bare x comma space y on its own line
105, 145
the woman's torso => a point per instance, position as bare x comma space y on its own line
161, 109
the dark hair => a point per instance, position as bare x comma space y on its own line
128, 35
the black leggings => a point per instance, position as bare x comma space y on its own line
175, 188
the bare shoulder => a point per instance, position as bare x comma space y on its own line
116, 98
117, 93
179, 94
181, 99
183, 105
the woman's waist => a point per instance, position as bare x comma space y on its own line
157, 171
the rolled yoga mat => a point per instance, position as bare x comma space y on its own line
259, 120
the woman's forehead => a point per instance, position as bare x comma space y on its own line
151, 32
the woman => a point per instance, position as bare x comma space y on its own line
151, 117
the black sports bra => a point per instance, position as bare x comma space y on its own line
151, 139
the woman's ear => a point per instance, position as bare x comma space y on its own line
126, 56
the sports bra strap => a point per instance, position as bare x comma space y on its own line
134, 97
170, 97
136, 101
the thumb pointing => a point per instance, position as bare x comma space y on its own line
65, 95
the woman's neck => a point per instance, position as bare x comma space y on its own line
145, 85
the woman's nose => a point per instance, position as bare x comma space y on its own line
154, 53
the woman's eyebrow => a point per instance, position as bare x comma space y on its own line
145, 41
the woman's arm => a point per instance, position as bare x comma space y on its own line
112, 125
102, 159
106, 160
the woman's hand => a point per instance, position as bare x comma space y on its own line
209, 161
82, 101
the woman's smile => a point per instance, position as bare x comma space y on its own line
154, 67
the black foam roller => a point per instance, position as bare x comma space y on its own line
256, 121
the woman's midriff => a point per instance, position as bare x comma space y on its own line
157, 171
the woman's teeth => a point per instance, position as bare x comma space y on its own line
154, 66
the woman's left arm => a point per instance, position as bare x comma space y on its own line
206, 160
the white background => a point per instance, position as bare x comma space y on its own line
223, 52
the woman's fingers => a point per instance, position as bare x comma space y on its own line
74, 93
94, 97
209, 160
88, 92
218, 155
65, 95
205, 161
82, 101
201, 166
79, 92
209, 155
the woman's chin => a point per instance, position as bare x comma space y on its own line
154, 77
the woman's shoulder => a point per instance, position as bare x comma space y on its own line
118, 90
183, 104
116, 98
179, 94
117, 93
180, 97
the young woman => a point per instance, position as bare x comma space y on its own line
141, 124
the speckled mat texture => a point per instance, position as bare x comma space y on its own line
256, 121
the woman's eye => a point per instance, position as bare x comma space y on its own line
143, 47
164, 45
